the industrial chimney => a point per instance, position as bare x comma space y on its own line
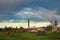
54, 28
28, 23
56, 22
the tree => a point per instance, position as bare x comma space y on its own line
49, 28
21, 28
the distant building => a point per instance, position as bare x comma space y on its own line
34, 29
54, 28
31, 29
41, 29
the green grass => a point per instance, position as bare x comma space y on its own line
30, 36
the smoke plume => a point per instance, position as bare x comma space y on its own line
46, 15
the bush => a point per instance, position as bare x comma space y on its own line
41, 33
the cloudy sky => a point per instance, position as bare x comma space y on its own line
38, 11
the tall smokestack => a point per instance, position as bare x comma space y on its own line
56, 22
28, 23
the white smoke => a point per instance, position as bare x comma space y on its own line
40, 12
46, 15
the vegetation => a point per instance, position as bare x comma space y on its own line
30, 36
23, 34
49, 28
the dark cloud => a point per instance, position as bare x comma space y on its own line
9, 8
13, 4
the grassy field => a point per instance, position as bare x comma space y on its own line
31, 36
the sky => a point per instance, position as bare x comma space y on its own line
16, 12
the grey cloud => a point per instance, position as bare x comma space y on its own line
8, 7
13, 4
40, 12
